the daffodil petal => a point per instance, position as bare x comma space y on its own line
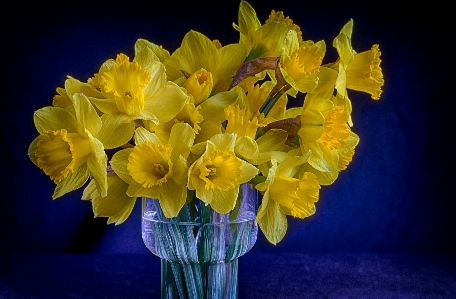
54, 119
172, 198
181, 139
231, 58
97, 166
168, 103
121, 125
246, 148
199, 51
273, 223
73, 86
136, 190
72, 182
86, 114
214, 107
224, 201
119, 163
224, 142
107, 106
143, 135
249, 173
31, 150
209, 128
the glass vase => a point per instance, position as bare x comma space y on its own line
199, 248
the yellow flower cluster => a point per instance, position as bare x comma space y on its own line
206, 118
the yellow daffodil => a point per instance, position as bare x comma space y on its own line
217, 174
64, 97
261, 40
284, 194
156, 170
198, 52
356, 71
67, 149
326, 134
135, 90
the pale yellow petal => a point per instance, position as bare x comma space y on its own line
224, 201
209, 128
142, 135
168, 103
107, 106
246, 148
231, 58
54, 119
172, 198
161, 53
116, 131
73, 181
97, 164
119, 163
249, 173
214, 107
273, 223
199, 52
181, 139
86, 114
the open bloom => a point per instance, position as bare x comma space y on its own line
284, 194
135, 90
326, 134
217, 174
67, 149
156, 170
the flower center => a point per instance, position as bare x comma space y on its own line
125, 82
149, 164
336, 129
305, 61
221, 171
59, 153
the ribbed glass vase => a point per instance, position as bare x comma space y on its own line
199, 248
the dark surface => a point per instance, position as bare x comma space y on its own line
289, 275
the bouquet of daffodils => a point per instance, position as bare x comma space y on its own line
206, 118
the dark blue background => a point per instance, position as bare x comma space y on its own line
397, 196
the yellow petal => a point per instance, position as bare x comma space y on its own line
224, 201
167, 103
107, 106
343, 43
72, 182
137, 190
143, 135
214, 107
209, 128
231, 58
161, 53
86, 113
116, 205
172, 198
97, 164
247, 19
32, 149
274, 223
73, 86
121, 125
249, 172
181, 139
119, 162
246, 148
199, 52
54, 119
